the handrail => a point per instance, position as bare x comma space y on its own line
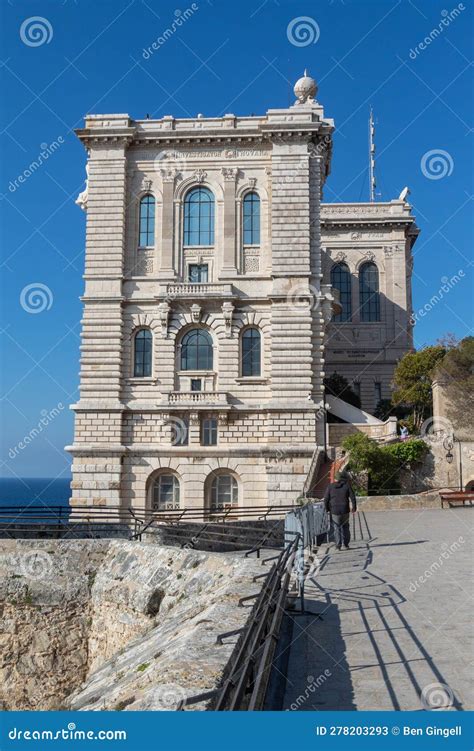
246, 682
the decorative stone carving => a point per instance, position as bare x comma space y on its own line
168, 174
252, 182
340, 257
251, 263
388, 251
305, 89
145, 262
81, 199
369, 255
222, 418
227, 312
356, 235
164, 309
196, 313
194, 419
230, 173
146, 185
200, 175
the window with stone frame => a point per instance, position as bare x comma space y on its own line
209, 430
142, 353
341, 280
198, 224
146, 237
165, 493
224, 493
251, 219
251, 352
369, 296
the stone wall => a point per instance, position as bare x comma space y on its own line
114, 625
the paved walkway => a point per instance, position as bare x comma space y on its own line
395, 614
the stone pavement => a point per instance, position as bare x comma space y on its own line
393, 628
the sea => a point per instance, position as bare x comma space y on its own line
42, 491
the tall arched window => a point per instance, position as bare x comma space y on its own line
165, 493
369, 293
251, 219
224, 493
251, 352
196, 350
199, 217
147, 221
341, 280
142, 354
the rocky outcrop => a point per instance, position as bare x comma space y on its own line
116, 625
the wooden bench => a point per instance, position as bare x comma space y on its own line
454, 497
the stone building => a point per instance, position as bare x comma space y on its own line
207, 293
366, 252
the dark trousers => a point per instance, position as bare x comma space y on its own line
342, 531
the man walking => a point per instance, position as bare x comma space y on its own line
339, 500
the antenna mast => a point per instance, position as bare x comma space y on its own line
372, 182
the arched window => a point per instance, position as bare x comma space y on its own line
142, 355
199, 217
369, 293
341, 280
196, 350
165, 493
251, 219
224, 493
147, 221
251, 352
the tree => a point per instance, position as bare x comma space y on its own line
456, 372
339, 386
413, 378
385, 409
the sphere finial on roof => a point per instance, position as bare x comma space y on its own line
305, 88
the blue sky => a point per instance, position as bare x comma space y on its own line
226, 57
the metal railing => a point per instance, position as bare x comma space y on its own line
248, 672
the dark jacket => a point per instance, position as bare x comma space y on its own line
337, 497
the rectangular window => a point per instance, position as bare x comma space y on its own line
196, 384
198, 273
377, 392
209, 431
